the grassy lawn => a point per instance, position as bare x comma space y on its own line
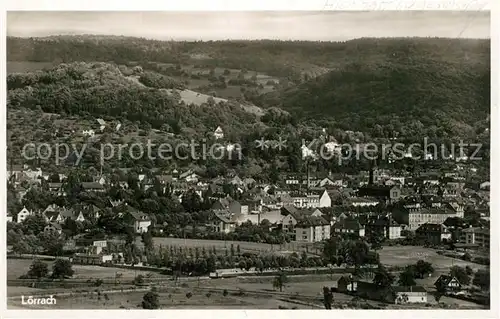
169, 298
18, 267
405, 255
221, 245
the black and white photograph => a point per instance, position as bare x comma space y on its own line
276, 160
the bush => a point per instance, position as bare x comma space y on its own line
189, 295
139, 280
150, 301
225, 293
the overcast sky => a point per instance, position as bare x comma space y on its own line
325, 26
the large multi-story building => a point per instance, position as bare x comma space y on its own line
476, 235
312, 229
416, 216
311, 199
433, 233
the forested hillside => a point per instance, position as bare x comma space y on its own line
410, 92
381, 87
102, 89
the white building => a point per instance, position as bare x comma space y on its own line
219, 133
89, 133
415, 294
23, 214
312, 229
312, 200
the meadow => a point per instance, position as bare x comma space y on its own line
405, 255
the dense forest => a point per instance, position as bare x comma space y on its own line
359, 91
419, 98
103, 89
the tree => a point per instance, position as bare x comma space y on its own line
38, 269
340, 261
469, 270
62, 268
34, 224
150, 301
139, 280
51, 242
242, 264
259, 265
383, 278
327, 298
21, 247
354, 252
147, 240
330, 249
461, 274
423, 268
467, 257
482, 279
191, 201
376, 239
280, 280
407, 278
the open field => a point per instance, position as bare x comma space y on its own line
18, 267
223, 245
303, 292
168, 297
405, 255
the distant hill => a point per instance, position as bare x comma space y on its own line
106, 90
417, 87
410, 86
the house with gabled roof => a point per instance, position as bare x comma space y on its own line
218, 133
224, 221
93, 187
57, 188
102, 124
348, 226
448, 283
23, 214
189, 177
139, 220
312, 229
433, 233
293, 216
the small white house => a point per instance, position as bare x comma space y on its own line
23, 214
89, 133
415, 294
219, 133
102, 124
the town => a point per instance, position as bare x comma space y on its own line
231, 226
277, 172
